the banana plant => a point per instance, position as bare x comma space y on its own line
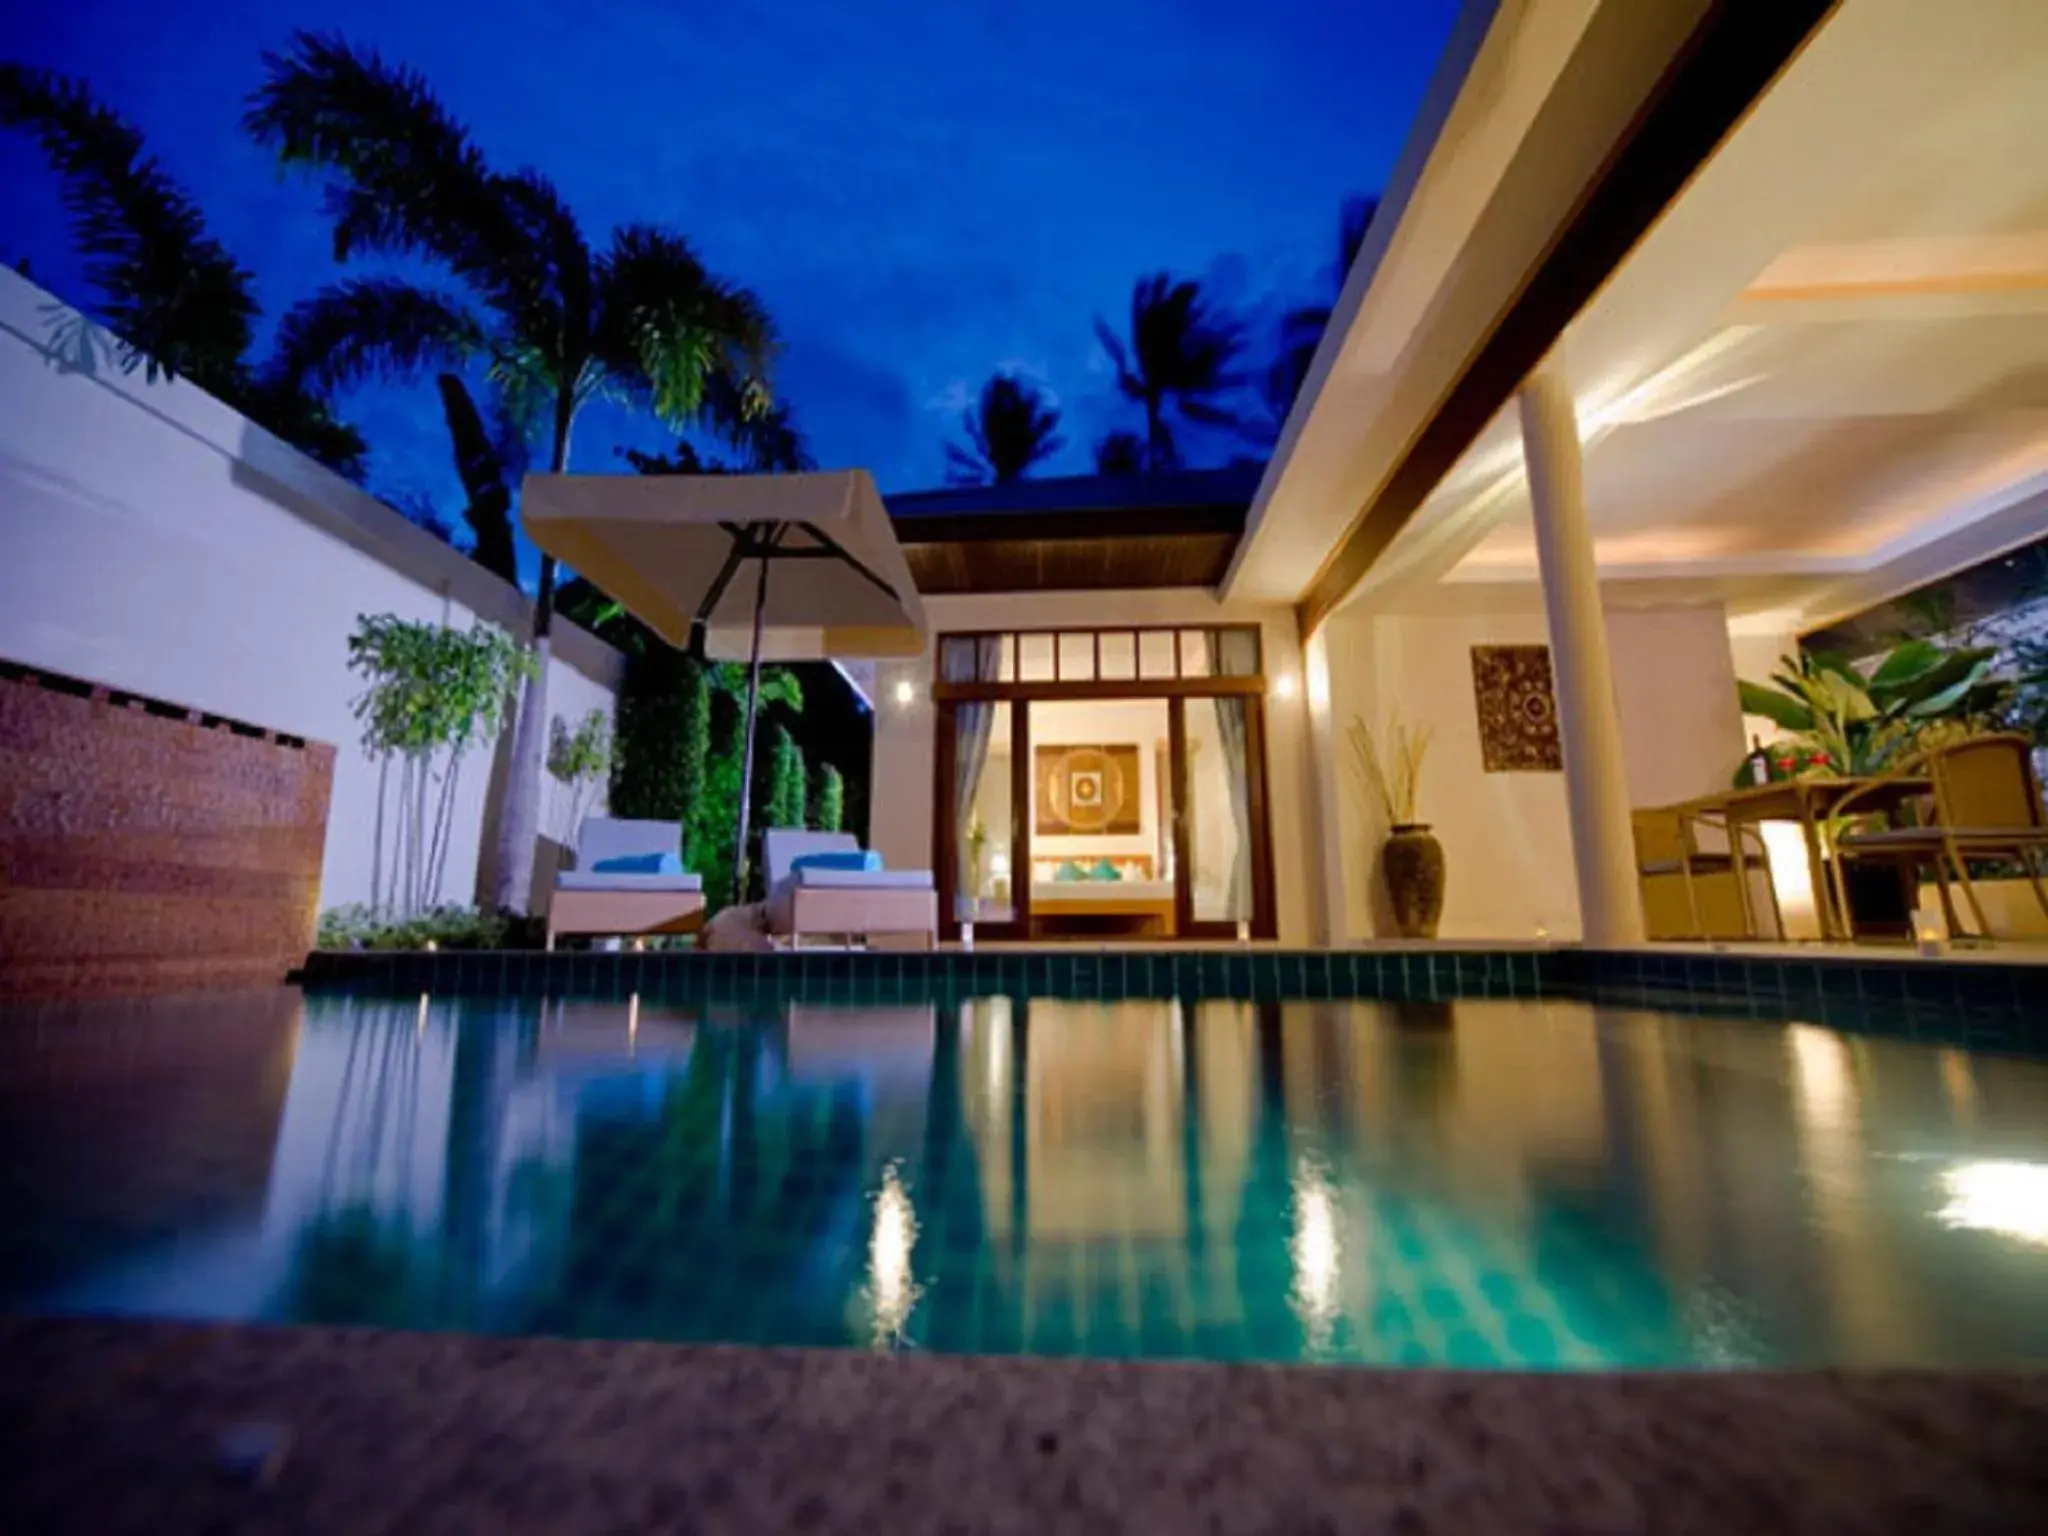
1857, 722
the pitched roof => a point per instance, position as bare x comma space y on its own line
1076, 533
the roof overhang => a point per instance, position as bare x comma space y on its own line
1553, 139
1817, 380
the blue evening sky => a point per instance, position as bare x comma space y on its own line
923, 191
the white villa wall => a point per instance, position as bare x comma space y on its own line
155, 541
900, 815
1507, 836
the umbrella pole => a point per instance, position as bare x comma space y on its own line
739, 844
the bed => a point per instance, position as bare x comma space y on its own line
1134, 904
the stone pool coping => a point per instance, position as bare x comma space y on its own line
114, 1426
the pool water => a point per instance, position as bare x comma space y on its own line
1488, 1183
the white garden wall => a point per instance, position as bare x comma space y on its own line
155, 541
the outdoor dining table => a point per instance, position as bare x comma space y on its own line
1808, 802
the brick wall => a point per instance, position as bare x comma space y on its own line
146, 848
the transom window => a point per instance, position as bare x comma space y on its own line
1128, 654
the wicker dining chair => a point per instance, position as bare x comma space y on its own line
1984, 803
1667, 849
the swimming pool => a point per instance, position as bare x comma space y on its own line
1484, 1182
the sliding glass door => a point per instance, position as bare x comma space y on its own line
1102, 784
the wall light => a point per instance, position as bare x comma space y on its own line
1286, 686
906, 693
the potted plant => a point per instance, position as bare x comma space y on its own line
1841, 719
1411, 860
977, 858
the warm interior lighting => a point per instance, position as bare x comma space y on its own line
890, 1286
2006, 1197
1792, 878
999, 863
1286, 686
906, 692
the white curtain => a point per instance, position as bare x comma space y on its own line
1237, 655
969, 661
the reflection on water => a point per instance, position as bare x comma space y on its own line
1547, 1185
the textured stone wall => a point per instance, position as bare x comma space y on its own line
145, 848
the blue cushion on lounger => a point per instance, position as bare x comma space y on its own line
859, 861
640, 864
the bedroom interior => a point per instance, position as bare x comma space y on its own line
1084, 799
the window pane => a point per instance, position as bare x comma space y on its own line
1034, 658
1119, 656
1194, 653
1006, 666
1219, 811
1077, 658
1155, 653
1237, 652
956, 659
982, 882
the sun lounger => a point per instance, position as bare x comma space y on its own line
593, 900
806, 901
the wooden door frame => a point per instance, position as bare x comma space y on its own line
945, 856
1020, 697
1265, 922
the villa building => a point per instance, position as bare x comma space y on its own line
1683, 329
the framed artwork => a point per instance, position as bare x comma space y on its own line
1517, 709
1088, 791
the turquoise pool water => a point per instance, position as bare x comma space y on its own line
1486, 1183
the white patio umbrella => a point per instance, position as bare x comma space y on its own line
673, 549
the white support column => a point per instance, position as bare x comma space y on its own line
1326, 828
1596, 773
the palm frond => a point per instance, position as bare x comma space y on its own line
1113, 344
167, 288
372, 328
1010, 429
665, 325
404, 176
964, 467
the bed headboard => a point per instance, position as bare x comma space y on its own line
1132, 866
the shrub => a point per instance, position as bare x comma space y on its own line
786, 782
828, 800
650, 779
359, 926
578, 760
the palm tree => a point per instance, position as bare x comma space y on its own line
1120, 453
558, 323
1301, 330
1180, 357
179, 303
1010, 429
489, 461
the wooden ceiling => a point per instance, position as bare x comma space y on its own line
1085, 534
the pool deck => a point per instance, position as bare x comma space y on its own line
114, 1426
